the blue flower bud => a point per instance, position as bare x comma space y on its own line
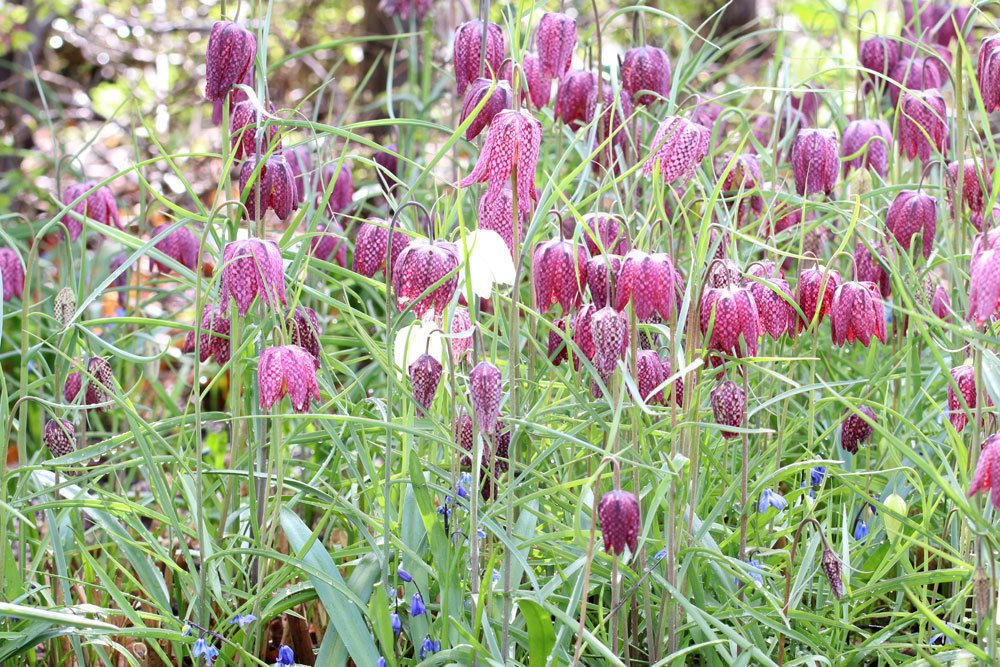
404, 575
771, 499
286, 657
816, 475
397, 624
417, 606
861, 531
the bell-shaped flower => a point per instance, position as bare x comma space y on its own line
12, 274
486, 392
910, 213
729, 406
987, 474
371, 247
857, 313
496, 213
729, 313
866, 145
421, 265
466, 51
229, 58
645, 74
179, 244
212, 336
558, 273
287, 369
99, 205
679, 147
618, 513
556, 42
648, 280
498, 97
482, 251
815, 293
270, 187
513, 142
330, 245
923, 124
815, 161
252, 268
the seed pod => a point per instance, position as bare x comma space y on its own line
982, 592
854, 430
486, 391
466, 50
59, 436
618, 513
425, 376
556, 42
646, 68
832, 569
729, 406
815, 161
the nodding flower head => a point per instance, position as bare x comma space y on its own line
923, 124
429, 647
557, 348
582, 336
337, 183
601, 273
934, 20
679, 148
744, 179
854, 430
537, 83
774, 300
466, 49
649, 282
461, 331
287, 369
984, 278
988, 73
420, 265
770, 499
12, 274
974, 175
857, 313
729, 313
965, 379
498, 97
832, 569
486, 391
618, 513
872, 268
725, 272
304, 331
286, 657
729, 406
100, 382
386, 163
576, 98
916, 73
247, 126
646, 68
425, 376
609, 330
556, 42
987, 474
371, 245
650, 374
99, 205
180, 245
941, 303
879, 55
815, 161
496, 212
513, 141
252, 268
815, 293
213, 339
330, 244
229, 58
59, 436
910, 213
406, 8
558, 272
273, 187
866, 145
608, 233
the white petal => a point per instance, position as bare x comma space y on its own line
488, 260
414, 340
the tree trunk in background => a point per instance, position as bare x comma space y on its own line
737, 16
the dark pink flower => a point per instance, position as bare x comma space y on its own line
987, 474
338, 187
576, 98
425, 376
869, 142
496, 212
582, 334
870, 268
974, 175
679, 147
501, 97
486, 392
854, 429
648, 281
857, 313
122, 279
725, 272
773, 298
299, 159
609, 331
706, 114
557, 350
743, 180
12, 274
287, 369
387, 164
988, 73
933, 20
941, 303
99, 205
608, 233
537, 82
646, 68
910, 213
729, 406
984, 277
371, 245
420, 265
245, 124
815, 161
915, 74
815, 293
329, 244
650, 375
833, 570
965, 379
601, 273
556, 41
558, 273
788, 216
59, 436
466, 50
404, 9
99, 381
461, 331
229, 58
806, 104
923, 124
729, 313
513, 140
618, 513
879, 55
272, 188
180, 245
212, 337
252, 268
304, 331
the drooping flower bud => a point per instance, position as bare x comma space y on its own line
879, 55
582, 336
725, 273
514, 138
815, 293
59, 436
988, 73
916, 73
304, 331
730, 312
601, 273
371, 246
987, 474
773, 298
496, 212
180, 245
425, 376
329, 243
486, 391
910, 213
815, 161
99, 205
941, 303
923, 124
466, 51
965, 379
618, 513
648, 281
287, 369
557, 349
608, 233
556, 42
246, 126
99, 382
650, 374
857, 313
387, 164
646, 68
974, 176
252, 268
679, 147
229, 58
213, 339
501, 97
337, 183
420, 265
537, 82
609, 330
874, 269
576, 98
729, 406
12, 274
743, 180
832, 569
869, 142
273, 188
854, 430
558, 273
